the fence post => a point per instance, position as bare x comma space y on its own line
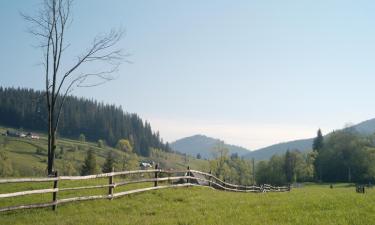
110, 182
169, 177
54, 195
209, 179
156, 175
188, 174
224, 184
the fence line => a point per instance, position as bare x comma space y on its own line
189, 178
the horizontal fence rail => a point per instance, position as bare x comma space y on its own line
182, 178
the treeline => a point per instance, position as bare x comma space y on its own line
345, 156
26, 108
293, 166
342, 156
232, 169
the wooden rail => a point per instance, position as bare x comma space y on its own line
184, 178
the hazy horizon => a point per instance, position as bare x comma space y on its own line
252, 73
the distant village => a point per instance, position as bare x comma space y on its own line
20, 134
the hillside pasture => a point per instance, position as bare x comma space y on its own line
28, 157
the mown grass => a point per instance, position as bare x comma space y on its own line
312, 204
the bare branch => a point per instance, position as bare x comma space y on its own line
49, 26
97, 52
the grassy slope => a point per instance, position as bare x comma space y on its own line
26, 161
309, 205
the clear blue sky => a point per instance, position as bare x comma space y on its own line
250, 72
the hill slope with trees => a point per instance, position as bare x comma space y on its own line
26, 108
364, 128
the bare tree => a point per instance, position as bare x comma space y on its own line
49, 27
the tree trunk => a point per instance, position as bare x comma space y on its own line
50, 134
51, 145
53, 148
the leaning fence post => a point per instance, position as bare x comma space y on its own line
156, 175
110, 182
54, 195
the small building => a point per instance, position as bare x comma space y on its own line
33, 136
10, 133
145, 165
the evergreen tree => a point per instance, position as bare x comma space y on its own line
318, 141
109, 163
317, 147
89, 167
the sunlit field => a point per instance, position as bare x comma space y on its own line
311, 204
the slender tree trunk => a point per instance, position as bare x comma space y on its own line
50, 132
53, 148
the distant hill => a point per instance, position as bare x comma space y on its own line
366, 127
203, 145
267, 152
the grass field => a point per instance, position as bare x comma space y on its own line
311, 204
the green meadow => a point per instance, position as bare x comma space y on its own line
310, 204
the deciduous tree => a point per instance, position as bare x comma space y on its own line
49, 26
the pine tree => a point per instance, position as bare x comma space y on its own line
317, 147
89, 166
318, 142
109, 163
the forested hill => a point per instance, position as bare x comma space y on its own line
364, 128
280, 148
203, 145
26, 108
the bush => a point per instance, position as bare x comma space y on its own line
39, 151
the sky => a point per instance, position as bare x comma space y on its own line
252, 73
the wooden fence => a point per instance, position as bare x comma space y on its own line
172, 178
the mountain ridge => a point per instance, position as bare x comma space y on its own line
366, 127
203, 145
